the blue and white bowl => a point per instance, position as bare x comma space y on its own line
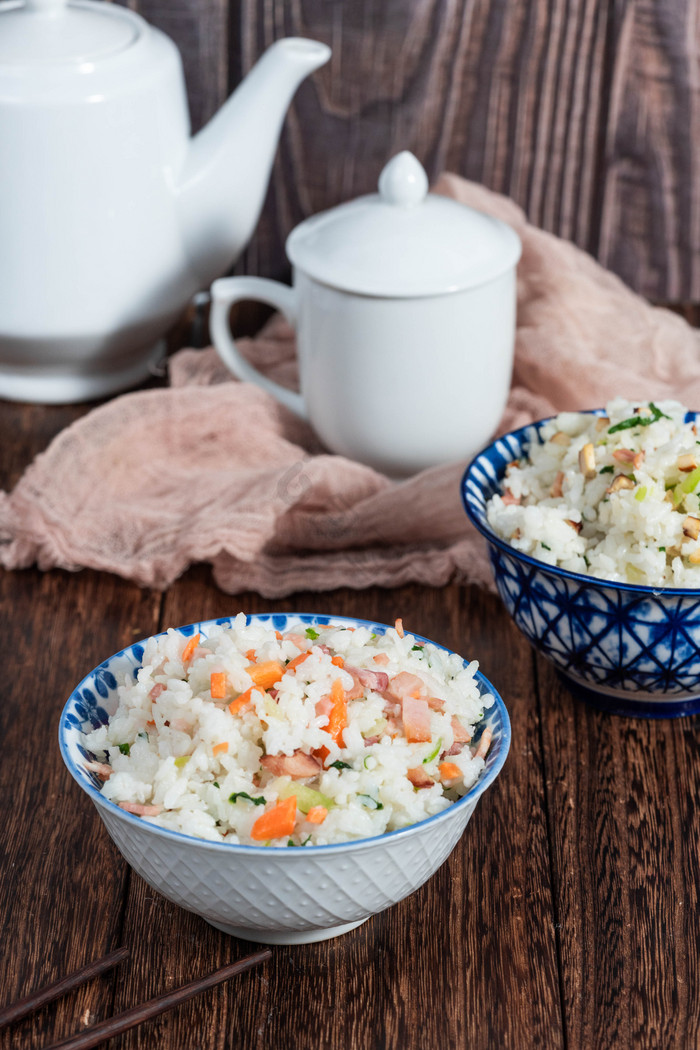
277, 896
626, 648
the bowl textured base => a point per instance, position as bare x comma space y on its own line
287, 936
636, 705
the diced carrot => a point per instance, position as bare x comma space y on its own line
240, 701
297, 660
190, 648
338, 661
278, 636
449, 771
338, 718
217, 685
250, 654
276, 822
317, 814
398, 626
266, 673
321, 753
220, 748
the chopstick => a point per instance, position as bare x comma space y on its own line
52, 991
116, 1025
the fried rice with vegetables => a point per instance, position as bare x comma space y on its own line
325, 734
614, 495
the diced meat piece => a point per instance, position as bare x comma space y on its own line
575, 525
369, 740
296, 766
691, 527
180, 724
376, 680
456, 749
419, 778
620, 481
416, 720
381, 659
602, 423
435, 703
406, 684
103, 771
686, 463
357, 690
556, 491
586, 461
460, 734
484, 743
299, 640
156, 690
560, 438
323, 707
140, 810
627, 455
509, 499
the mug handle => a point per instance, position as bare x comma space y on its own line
229, 290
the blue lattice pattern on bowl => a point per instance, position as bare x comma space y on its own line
282, 896
626, 648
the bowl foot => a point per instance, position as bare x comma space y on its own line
631, 705
245, 933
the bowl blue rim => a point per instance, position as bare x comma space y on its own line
640, 589
231, 848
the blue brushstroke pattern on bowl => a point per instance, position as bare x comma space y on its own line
626, 648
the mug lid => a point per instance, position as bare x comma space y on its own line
52, 32
403, 241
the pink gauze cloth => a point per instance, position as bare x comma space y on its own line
213, 470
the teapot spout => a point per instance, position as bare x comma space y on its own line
226, 170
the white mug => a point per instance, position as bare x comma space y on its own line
400, 367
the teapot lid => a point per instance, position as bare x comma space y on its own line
49, 32
403, 241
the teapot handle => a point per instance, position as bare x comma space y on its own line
229, 290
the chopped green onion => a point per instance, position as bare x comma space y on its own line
434, 753
662, 549
606, 470
416, 648
339, 765
217, 784
311, 634
639, 421
259, 801
182, 761
125, 748
544, 545
689, 484
143, 734
371, 803
641, 493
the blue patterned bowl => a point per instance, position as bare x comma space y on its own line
626, 648
277, 896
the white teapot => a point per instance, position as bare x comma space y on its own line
111, 217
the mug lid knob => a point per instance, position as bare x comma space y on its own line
403, 181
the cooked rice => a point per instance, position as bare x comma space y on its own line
617, 500
177, 753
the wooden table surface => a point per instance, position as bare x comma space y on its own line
565, 918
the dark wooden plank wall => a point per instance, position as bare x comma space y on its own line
585, 111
